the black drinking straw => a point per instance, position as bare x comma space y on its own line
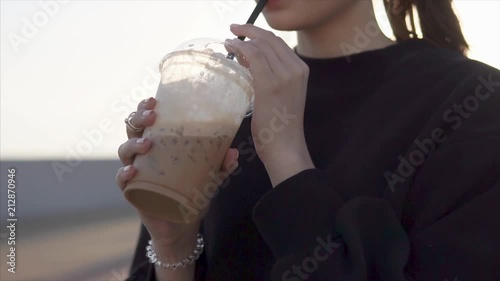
251, 20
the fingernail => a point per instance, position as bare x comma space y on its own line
235, 25
230, 46
237, 154
141, 140
126, 169
147, 112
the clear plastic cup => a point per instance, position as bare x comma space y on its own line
202, 100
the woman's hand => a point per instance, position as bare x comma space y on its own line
164, 234
280, 84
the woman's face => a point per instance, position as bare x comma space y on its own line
303, 14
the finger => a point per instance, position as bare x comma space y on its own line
239, 57
146, 104
277, 66
282, 47
141, 119
123, 175
283, 51
253, 32
143, 106
250, 31
255, 58
230, 163
132, 147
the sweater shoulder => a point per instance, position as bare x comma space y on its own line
463, 94
429, 63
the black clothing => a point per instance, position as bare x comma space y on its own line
406, 145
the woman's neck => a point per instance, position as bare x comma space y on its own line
353, 30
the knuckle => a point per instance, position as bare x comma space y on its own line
137, 115
269, 33
287, 77
306, 69
303, 65
145, 103
124, 148
257, 42
141, 105
280, 40
297, 72
275, 87
118, 177
253, 53
120, 149
138, 120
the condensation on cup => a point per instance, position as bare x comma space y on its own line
202, 100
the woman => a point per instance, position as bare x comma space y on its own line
385, 165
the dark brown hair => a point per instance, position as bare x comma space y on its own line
438, 22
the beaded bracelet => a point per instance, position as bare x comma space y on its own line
155, 259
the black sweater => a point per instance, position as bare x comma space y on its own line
406, 145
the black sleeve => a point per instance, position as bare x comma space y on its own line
453, 231
314, 235
141, 269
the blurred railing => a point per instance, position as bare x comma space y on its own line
80, 228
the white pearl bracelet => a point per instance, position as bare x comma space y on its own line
155, 259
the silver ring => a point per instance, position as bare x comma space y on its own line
130, 126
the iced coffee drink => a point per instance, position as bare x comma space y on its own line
201, 101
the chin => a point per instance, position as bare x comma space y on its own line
285, 21
294, 15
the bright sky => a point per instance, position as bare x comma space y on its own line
71, 71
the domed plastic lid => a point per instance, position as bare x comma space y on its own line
202, 44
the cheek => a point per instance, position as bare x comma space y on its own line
302, 14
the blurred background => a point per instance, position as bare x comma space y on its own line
71, 71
